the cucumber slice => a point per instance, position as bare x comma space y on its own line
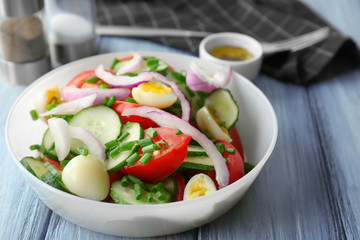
201, 163
222, 104
101, 121
170, 186
136, 132
50, 179
47, 142
126, 195
196, 151
34, 166
59, 184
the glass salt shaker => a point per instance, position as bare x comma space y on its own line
70, 26
24, 54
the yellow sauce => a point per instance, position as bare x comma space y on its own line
231, 53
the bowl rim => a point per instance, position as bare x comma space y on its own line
228, 188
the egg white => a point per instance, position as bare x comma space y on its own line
199, 185
151, 99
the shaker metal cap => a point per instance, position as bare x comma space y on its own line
19, 8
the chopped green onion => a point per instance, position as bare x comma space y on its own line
111, 101
63, 163
146, 158
51, 106
111, 144
35, 147
125, 181
114, 62
207, 133
221, 123
144, 142
105, 100
220, 147
114, 152
178, 132
34, 115
160, 195
138, 181
178, 76
132, 158
200, 103
83, 151
138, 192
152, 62
129, 99
151, 132
123, 136
158, 187
229, 150
150, 198
149, 148
161, 144
126, 146
52, 146
103, 85
92, 79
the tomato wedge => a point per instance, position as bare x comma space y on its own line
234, 162
119, 107
180, 186
165, 161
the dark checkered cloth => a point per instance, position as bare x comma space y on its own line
265, 20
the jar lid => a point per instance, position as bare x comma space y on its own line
19, 8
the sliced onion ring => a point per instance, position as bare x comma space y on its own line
121, 81
63, 133
71, 93
166, 119
185, 105
199, 79
73, 106
133, 65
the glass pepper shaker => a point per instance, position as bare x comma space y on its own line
23, 46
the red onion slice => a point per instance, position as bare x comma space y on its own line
62, 134
166, 119
185, 105
121, 81
71, 93
132, 65
199, 79
73, 106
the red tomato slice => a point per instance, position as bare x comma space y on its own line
54, 163
79, 80
234, 162
237, 141
166, 161
180, 186
119, 107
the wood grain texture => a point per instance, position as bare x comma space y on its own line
309, 188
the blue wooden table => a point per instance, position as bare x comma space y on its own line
309, 189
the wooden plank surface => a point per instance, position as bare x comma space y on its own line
309, 189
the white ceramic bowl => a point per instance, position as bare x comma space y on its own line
257, 126
248, 68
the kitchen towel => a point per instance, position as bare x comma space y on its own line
265, 20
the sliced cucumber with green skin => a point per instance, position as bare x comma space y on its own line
126, 195
161, 67
52, 180
103, 122
57, 175
201, 163
222, 104
34, 166
136, 132
170, 186
196, 151
47, 142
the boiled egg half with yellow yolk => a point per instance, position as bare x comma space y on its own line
199, 185
154, 94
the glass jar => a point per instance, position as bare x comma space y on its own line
70, 26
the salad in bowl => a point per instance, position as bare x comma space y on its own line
147, 138
138, 132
